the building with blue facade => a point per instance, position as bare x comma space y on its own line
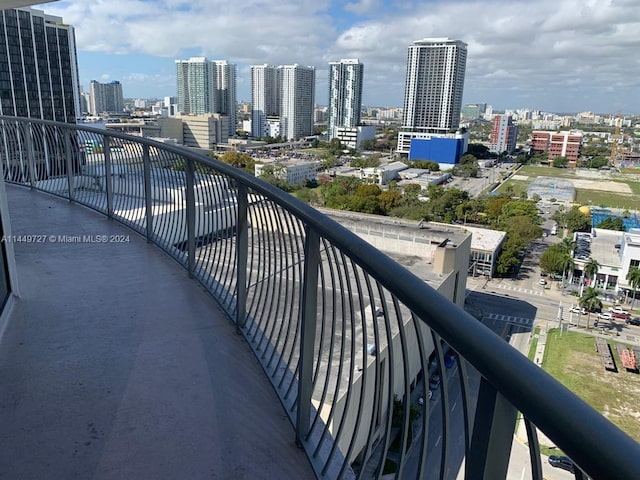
444, 150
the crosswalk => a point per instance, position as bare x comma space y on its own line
518, 289
527, 322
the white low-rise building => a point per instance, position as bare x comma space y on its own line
352, 137
291, 171
616, 253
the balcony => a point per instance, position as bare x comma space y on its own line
225, 322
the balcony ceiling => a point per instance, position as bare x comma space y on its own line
4, 4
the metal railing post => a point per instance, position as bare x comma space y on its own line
308, 318
69, 162
242, 251
148, 201
108, 179
31, 161
190, 198
492, 437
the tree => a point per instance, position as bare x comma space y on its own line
478, 150
368, 144
590, 301
467, 158
591, 269
560, 162
576, 221
566, 264
633, 277
567, 245
239, 160
425, 164
612, 223
549, 260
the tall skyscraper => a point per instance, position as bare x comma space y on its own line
298, 93
38, 66
206, 86
265, 97
226, 93
196, 81
433, 89
345, 94
503, 134
105, 97
284, 94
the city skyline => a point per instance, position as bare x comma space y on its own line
562, 56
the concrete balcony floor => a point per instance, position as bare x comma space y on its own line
115, 365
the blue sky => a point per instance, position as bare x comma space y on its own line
554, 55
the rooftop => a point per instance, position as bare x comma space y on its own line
603, 247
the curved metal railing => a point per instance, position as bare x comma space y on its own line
348, 337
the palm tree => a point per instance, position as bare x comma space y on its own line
633, 277
568, 245
566, 263
590, 301
590, 269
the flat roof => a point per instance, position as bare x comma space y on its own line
485, 239
603, 247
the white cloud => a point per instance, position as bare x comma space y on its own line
547, 48
362, 7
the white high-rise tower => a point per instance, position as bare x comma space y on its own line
345, 94
298, 92
226, 92
206, 86
265, 98
433, 90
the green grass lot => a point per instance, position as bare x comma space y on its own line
321, 152
572, 360
518, 186
607, 199
537, 171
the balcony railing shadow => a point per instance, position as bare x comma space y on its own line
342, 331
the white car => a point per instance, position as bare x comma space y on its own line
576, 309
542, 281
605, 316
617, 309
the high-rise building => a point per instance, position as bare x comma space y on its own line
226, 93
38, 66
265, 98
196, 81
206, 86
297, 105
433, 89
503, 134
105, 97
345, 94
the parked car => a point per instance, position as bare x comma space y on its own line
617, 309
561, 462
621, 316
577, 309
429, 396
633, 321
449, 359
605, 316
434, 382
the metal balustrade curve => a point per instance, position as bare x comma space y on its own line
343, 332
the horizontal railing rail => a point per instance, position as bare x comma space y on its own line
350, 339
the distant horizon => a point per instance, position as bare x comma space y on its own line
495, 110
